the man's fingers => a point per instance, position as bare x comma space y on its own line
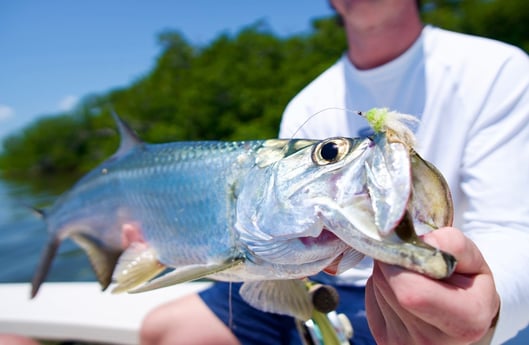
377, 322
469, 258
455, 311
399, 323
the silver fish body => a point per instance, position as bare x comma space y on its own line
249, 211
190, 202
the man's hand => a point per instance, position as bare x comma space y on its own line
404, 307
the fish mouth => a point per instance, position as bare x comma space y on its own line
342, 251
325, 237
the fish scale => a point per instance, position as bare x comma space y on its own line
252, 211
158, 180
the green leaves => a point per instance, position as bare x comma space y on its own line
503, 20
234, 88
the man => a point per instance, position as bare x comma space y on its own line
472, 97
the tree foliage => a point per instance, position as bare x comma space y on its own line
234, 88
504, 20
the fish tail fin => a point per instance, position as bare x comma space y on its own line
44, 265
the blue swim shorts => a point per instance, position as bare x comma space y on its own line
255, 327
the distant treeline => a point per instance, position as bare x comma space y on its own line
234, 88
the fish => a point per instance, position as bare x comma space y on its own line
267, 213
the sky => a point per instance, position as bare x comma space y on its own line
55, 52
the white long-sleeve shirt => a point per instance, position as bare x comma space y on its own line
472, 97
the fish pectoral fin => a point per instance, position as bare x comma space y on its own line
348, 259
138, 264
185, 274
102, 260
287, 297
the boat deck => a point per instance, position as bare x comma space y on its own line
81, 311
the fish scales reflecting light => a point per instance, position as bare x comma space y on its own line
265, 212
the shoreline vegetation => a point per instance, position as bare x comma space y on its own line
234, 88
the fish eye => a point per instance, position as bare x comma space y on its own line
330, 151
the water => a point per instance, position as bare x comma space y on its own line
23, 237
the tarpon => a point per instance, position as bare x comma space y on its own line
265, 212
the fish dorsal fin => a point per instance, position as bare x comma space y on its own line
186, 274
138, 264
129, 139
102, 260
44, 266
286, 297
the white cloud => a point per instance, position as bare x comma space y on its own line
6, 112
68, 103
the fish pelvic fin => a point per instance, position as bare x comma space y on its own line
44, 265
186, 274
286, 297
129, 139
138, 264
102, 260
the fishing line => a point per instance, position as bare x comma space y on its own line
356, 112
230, 306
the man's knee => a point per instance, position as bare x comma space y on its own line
184, 321
14, 339
154, 326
